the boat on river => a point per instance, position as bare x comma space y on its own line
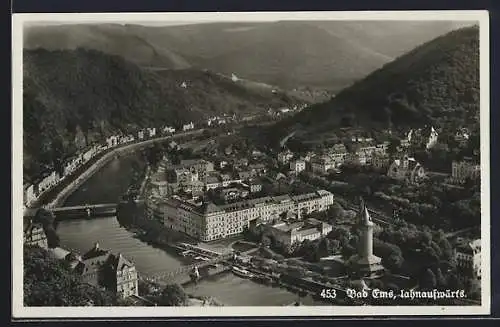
240, 272
188, 253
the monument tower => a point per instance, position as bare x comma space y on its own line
365, 263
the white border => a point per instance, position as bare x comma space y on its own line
19, 20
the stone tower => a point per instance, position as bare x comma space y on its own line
365, 263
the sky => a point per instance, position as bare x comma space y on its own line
172, 19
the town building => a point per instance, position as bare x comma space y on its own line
112, 141
182, 176
168, 129
151, 131
465, 169
187, 127
468, 257
48, 182
252, 186
432, 139
233, 193
297, 166
462, 136
140, 134
201, 166
364, 263
284, 157
338, 154
428, 136
407, 169
114, 272
312, 202
207, 221
297, 232
90, 153
244, 175
380, 161
257, 169
34, 235
321, 165
29, 195
366, 154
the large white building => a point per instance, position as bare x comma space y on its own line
208, 222
462, 170
297, 232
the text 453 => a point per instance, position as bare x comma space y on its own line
327, 293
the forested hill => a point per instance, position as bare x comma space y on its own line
436, 83
72, 97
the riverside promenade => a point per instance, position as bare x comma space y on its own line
61, 197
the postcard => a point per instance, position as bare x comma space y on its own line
250, 164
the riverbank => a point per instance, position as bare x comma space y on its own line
56, 197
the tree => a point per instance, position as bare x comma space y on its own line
49, 282
348, 251
266, 241
394, 144
154, 154
324, 248
440, 279
173, 295
428, 280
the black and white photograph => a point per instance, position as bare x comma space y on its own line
250, 164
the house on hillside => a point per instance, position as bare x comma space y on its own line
468, 257
168, 129
34, 235
151, 131
406, 168
284, 157
465, 169
462, 136
187, 127
114, 272
297, 166
29, 195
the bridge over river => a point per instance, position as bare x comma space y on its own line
210, 263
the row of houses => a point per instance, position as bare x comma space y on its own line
338, 155
32, 191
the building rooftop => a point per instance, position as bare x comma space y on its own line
95, 252
118, 262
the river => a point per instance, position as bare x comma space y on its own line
106, 186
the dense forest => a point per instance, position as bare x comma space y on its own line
436, 83
74, 97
